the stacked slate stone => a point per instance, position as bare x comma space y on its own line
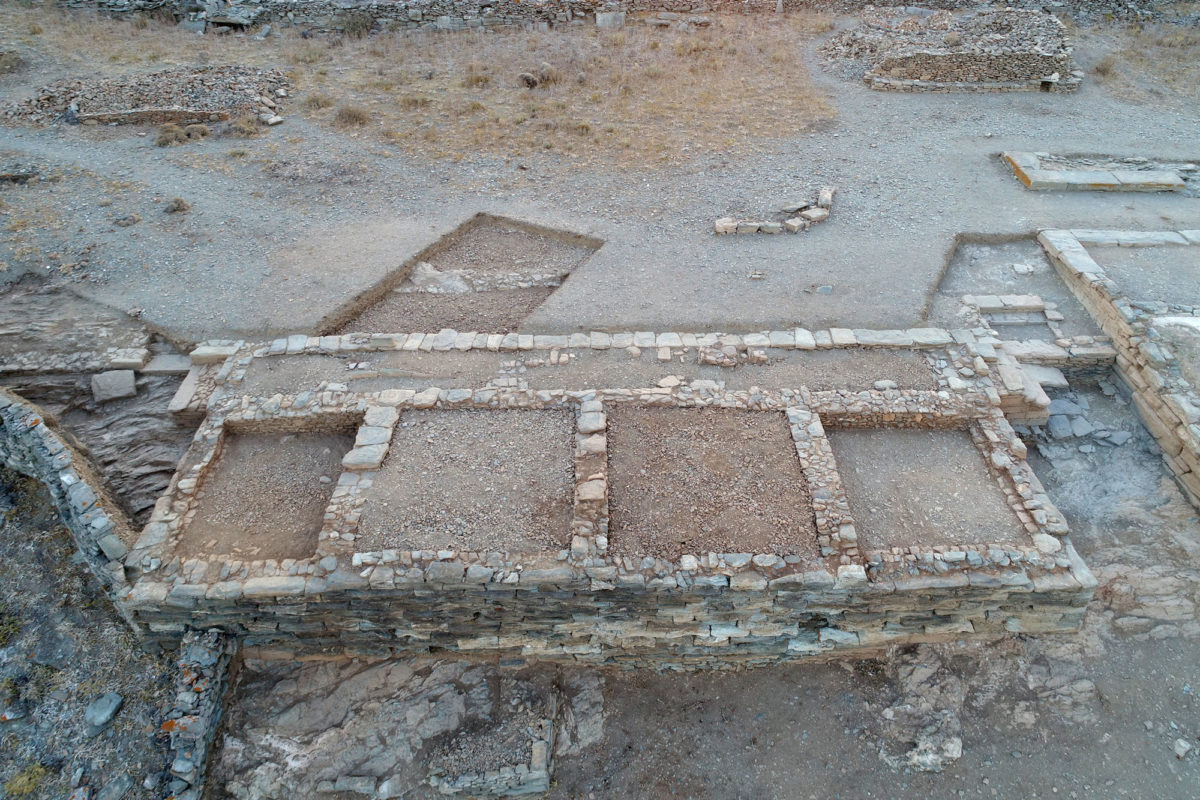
192, 723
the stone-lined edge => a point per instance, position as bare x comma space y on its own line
1027, 167
1167, 404
881, 83
531, 778
101, 532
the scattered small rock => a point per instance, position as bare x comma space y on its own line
102, 710
126, 221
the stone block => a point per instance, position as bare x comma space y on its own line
114, 385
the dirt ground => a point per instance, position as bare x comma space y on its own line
917, 487
480, 481
62, 647
265, 495
705, 481
494, 311
491, 245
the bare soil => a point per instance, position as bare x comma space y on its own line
490, 245
265, 496
495, 311
700, 481
921, 487
1168, 274
61, 647
981, 268
473, 480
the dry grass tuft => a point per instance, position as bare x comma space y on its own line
178, 206
196, 131
351, 117
1151, 63
245, 128
170, 134
639, 95
317, 101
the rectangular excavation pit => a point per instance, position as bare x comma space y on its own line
694, 481
921, 488
488, 274
264, 493
481, 481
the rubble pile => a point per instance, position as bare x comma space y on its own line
912, 49
180, 95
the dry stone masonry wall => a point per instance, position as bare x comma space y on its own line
580, 601
984, 50
1167, 403
31, 447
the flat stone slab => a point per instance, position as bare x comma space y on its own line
114, 385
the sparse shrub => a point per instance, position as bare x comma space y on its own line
412, 102
317, 101
170, 134
178, 206
196, 131
244, 128
25, 782
1106, 67
351, 117
9, 626
309, 54
477, 76
548, 75
9, 62
238, 152
35, 29
355, 24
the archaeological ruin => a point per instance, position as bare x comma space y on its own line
416, 399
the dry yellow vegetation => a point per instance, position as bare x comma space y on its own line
1151, 62
641, 94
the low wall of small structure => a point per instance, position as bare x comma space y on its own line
583, 603
427, 14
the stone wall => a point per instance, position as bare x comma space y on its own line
1167, 403
583, 603
420, 14
31, 447
720, 617
201, 680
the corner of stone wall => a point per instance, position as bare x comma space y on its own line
30, 446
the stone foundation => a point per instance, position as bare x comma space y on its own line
580, 602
